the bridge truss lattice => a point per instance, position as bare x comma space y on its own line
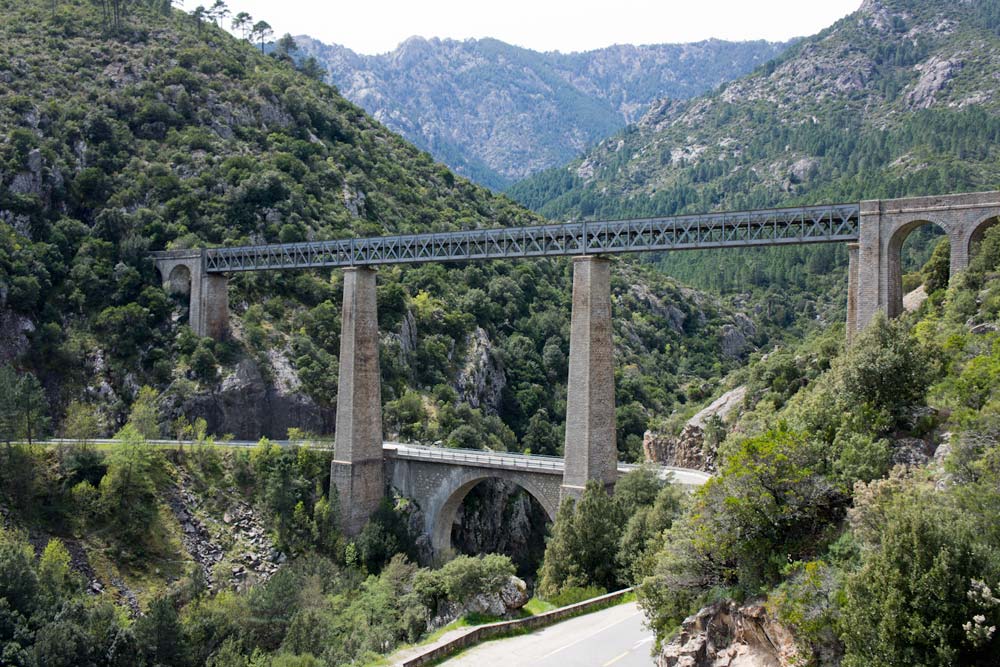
809, 224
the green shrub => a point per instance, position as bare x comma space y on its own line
573, 594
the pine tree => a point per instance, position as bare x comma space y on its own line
560, 567
145, 414
32, 407
262, 30
242, 22
8, 404
161, 637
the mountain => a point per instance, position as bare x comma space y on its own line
497, 113
169, 133
899, 98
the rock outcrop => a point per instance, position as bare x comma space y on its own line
913, 300
735, 338
682, 451
480, 381
728, 635
512, 596
688, 449
935, 74
14, 331
247, 406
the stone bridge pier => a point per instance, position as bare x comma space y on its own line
590, 450
875, 265
183, 272
356, 471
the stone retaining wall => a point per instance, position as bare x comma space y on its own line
494, 630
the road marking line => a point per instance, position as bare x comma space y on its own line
642, 641
590, 636
615, 659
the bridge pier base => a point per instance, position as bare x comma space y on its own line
357, 469
183, 272
590, 450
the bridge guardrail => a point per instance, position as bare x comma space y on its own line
489, 459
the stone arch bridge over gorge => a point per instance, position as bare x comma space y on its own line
874, 231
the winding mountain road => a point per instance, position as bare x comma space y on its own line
613, 637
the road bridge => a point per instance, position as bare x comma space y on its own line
874, 232
439, 478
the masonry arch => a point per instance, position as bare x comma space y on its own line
976, 237
179, 280
455, 490
895, 259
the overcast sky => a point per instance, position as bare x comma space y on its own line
377, 26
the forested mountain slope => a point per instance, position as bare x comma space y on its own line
899, 98
852, 519
169, 133
496, 112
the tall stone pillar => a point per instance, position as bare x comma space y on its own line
590, 450
871, 281
852, 290
357, 471
214, 315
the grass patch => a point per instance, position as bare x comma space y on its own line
537, 606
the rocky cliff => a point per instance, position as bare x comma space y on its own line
500, 517
497, 113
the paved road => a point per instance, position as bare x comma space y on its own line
613, 637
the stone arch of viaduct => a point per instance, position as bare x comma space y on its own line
875, 269
874, 230
439, 489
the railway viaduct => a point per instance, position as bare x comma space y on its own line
874, 232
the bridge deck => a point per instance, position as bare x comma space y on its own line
809, 224
551, 465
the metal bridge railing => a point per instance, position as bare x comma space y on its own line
477, 457
809, 224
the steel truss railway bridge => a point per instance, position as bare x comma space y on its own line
874, 232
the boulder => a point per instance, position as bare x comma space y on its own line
687, 450
727, 635
509, 598
910, 452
